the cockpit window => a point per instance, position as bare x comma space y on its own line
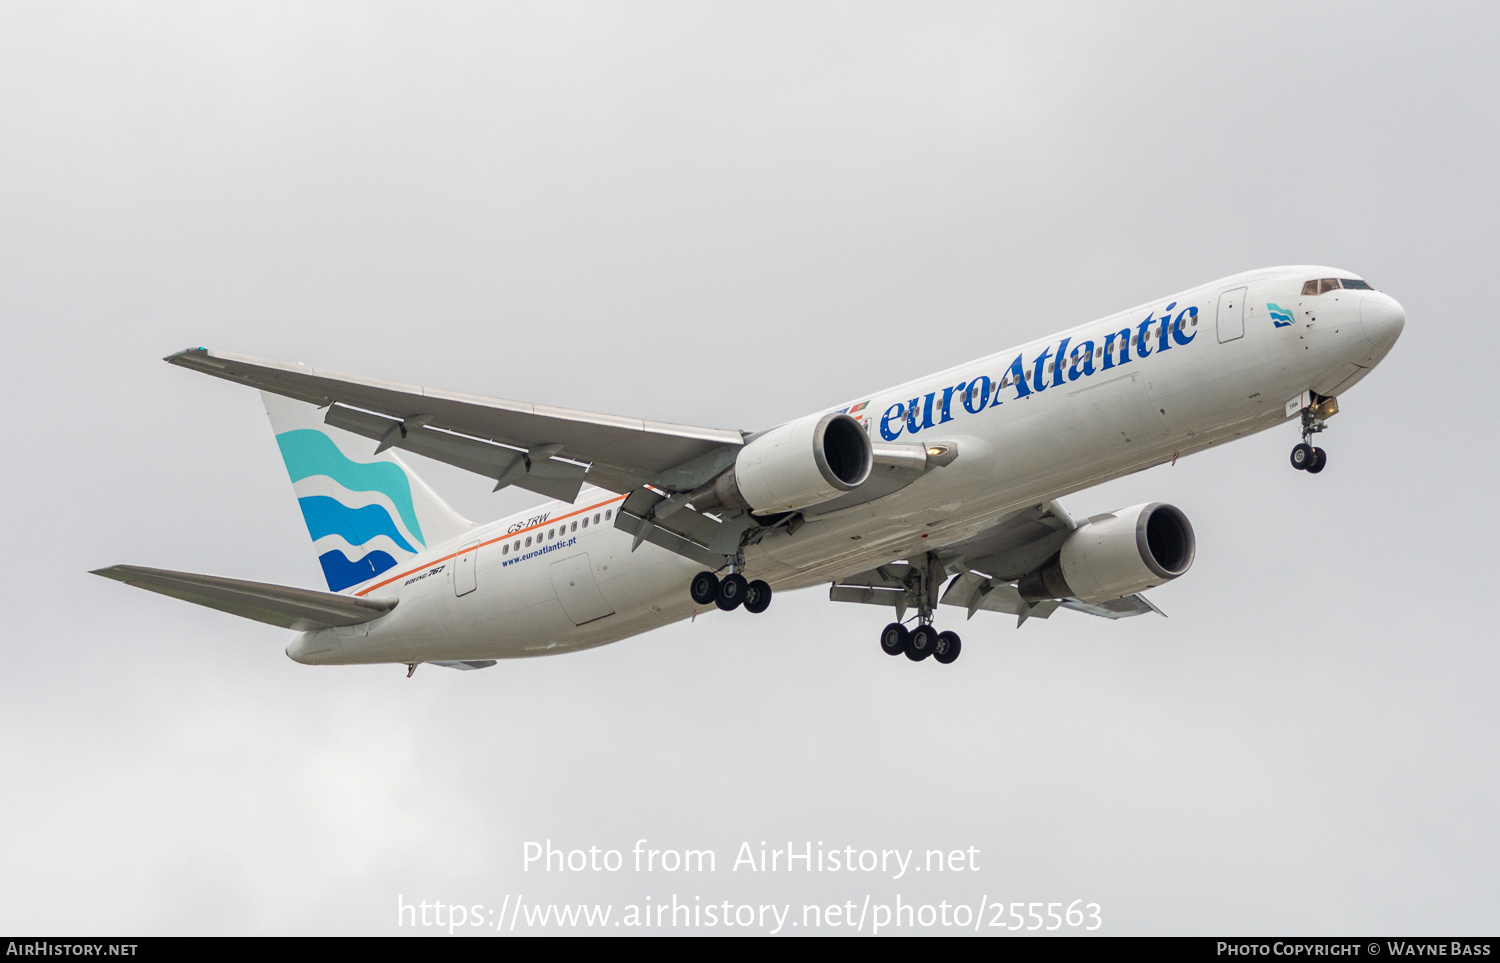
1323, 285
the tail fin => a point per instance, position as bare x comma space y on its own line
365, 512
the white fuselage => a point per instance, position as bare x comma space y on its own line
1201, 367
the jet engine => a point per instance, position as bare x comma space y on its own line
799, 464
1115, 555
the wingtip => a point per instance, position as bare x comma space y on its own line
187, 355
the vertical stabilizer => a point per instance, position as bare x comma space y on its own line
366, 513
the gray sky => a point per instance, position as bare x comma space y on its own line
731, 216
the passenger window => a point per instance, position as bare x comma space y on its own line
596, 519
505, 549
528, 541
606, 516
550, 533
585, 521
573, 527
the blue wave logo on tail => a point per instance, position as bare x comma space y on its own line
342, 573
309, 453
1280, 316
328, 516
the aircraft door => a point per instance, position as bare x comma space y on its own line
1232, 315
573, 578
464, 578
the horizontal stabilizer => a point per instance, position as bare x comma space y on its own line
283, 605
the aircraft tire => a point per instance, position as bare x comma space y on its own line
923, 641
757, 597
948, 647
731, 592
1302, 456
705, 588
1320, 459
894, 638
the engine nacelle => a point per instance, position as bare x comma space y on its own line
1130, 551
800, 464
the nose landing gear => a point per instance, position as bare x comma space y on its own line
1314, 420
1309, 459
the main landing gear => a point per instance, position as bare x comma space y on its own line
730, 592
1314, 419
917, 644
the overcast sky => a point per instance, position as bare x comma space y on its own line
730, 216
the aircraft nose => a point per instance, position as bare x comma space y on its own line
1382, 318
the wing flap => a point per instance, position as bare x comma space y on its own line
508, 466
975, 592
1121, 608
894, 584
283, 605
685, 531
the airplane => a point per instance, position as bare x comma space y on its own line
942, 491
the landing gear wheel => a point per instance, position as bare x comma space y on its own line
1303, 456
705, 588
947, 648
757, 597
893, 639
731, 591
1320, 459
923, 642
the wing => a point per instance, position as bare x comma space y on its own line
539, 448
987, 566
994, 559
283, 605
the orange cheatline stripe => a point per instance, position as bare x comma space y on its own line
503, 538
